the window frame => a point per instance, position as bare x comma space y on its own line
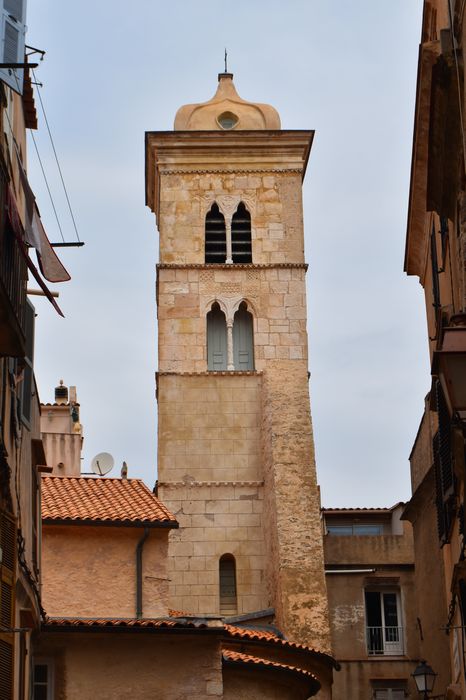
398, 647
50, 683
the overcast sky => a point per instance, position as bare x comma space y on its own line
347, 69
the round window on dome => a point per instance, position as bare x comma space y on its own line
227, 120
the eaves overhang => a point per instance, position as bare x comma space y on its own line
254, 151
416, 240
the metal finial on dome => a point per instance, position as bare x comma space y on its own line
226, 63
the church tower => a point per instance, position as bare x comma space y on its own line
235, 446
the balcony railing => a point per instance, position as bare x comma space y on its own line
385, 641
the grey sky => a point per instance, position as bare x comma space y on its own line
346, 69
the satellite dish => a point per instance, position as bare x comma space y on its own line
102, 463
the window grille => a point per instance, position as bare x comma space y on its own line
215, 236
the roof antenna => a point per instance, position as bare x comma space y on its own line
226, 58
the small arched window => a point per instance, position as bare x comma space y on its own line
241, 247
243, 339
215, 236
227, 577
216, 339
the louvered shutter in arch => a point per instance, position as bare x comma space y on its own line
241, 245
13, 41
215, 236
216, 339
7, 603
243, 339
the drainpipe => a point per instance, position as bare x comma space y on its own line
139, 549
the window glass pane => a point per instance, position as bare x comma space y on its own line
40, 673
339, 530
390, 610
40, 692
368, 529
373, 611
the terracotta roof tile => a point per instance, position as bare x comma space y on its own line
86, 622
263, 635
100, 500
229, 655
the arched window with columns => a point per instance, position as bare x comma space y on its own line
215, 236
227, 585
241, 245
217, 347
243, 339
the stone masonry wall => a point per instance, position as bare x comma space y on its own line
215, 519
273, 199
292, 507
275, 296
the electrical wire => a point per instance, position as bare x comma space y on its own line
5, 112
56, 156
48, 188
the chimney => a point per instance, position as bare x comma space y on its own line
61, 393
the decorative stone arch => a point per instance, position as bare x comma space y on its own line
250, 304
228, 205
224, 306
241, 235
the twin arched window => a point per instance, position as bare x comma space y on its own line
228, 242
230, 347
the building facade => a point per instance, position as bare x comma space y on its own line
436, 254
369, 566
235, 447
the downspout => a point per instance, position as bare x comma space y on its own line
139, 549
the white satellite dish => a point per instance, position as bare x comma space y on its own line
102, 463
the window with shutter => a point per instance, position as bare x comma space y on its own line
28, 372
215, 236
243, 339
13, 41
227, 575
241, 246
216, 339
443, 468
7, 602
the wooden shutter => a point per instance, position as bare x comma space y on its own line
241, 245
7, 603
443, 468
215, 236
216, 339
28, 373
243, 339
13, 40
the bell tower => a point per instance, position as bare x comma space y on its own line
235, 445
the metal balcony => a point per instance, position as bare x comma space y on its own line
385, 641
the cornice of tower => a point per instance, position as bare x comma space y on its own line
232, 152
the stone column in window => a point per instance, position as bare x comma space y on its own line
231, 364
229, 259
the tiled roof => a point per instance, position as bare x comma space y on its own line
102, 500
239, 657
263, 635
130, 623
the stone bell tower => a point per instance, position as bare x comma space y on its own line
235, 446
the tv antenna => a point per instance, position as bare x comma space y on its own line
102, 463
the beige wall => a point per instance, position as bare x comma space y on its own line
209, 428
91, 571
62, 439
240, 684
117, 666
